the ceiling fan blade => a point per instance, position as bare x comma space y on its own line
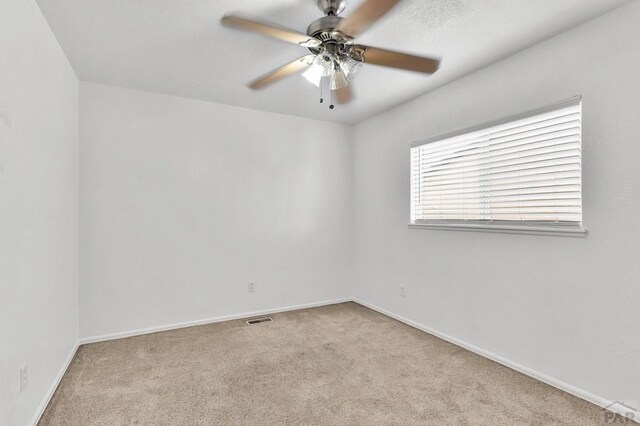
344, 95
292, 67
269, 29
365, 16
390, 58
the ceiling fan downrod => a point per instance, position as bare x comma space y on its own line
331, 7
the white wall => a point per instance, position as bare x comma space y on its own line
38, 209
568, 308
184, 201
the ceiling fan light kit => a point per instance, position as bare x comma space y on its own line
335, 59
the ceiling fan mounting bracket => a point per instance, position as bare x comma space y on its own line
331, 7
357, 52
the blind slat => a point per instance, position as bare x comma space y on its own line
564, 185
548, 219
530, 166
452, 142
486, 153
456, 143
561, 157
506, 178
511, 199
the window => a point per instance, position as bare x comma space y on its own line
520, 174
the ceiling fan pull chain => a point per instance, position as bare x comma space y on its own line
331, 106
321, 99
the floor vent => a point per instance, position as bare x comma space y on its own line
259, 320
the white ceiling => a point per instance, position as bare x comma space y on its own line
178, 47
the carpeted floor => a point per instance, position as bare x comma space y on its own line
335, 365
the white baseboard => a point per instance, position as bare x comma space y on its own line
54, 385
174, 326
613, 406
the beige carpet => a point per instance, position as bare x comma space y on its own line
336, 365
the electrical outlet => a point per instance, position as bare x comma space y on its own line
24, 378
403, 291
251, 286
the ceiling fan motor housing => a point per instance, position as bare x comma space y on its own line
322, 29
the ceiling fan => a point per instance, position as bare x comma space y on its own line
335, 58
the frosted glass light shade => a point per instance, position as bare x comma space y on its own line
350, 67
313, 75
340, 70
339, 80
322, 66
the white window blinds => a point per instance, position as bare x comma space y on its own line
524, 170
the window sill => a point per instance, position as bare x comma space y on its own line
506, 229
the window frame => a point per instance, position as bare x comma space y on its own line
511, 227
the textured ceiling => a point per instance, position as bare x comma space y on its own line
178, 47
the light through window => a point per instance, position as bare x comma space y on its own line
523, 171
